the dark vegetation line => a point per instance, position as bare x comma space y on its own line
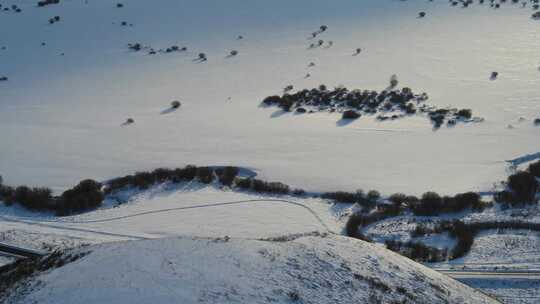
89, 194
521, 191
389, 104
522, 188
462, 232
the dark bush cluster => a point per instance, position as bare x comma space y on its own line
136, 47
465, 233
350, 114
144, 180
522, 186
261, 186
368, 200
534, 169
431, 203
417, 251
227, 176
54, 19
353, 103
388, 104
33, 198
498, 4
450, 116
86, 195
400, 200
357, 221
13, 8
47, 2
89, 194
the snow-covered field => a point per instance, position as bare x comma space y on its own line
492, 249
196, 210
314, 269
73, 84
190, 209
61, 115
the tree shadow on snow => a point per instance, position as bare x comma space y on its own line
344, 122
168, 110
278, 113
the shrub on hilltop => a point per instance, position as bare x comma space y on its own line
205, 174
534, 169
524, 186
86, 195
227, 175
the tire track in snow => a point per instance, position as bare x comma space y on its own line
210, 205
47, 224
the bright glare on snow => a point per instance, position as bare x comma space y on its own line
60, 116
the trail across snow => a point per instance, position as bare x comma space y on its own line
164, 210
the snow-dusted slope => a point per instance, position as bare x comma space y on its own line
60, 115
312, 269
190, 209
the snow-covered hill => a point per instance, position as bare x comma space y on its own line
62, 108
310, 269
186, 209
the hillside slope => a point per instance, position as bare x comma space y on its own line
310, 269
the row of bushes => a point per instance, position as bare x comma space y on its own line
86, 195
417, 251
357, 221
90, 194
144, 180
359, 197
352, 104
522, 186
431, 203
227, 176
465, 233
261, 186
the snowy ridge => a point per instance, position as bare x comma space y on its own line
312, 269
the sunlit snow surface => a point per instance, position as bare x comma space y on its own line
61, 116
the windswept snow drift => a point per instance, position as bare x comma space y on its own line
311, 269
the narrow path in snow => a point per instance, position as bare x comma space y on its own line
459, 274
47, 223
